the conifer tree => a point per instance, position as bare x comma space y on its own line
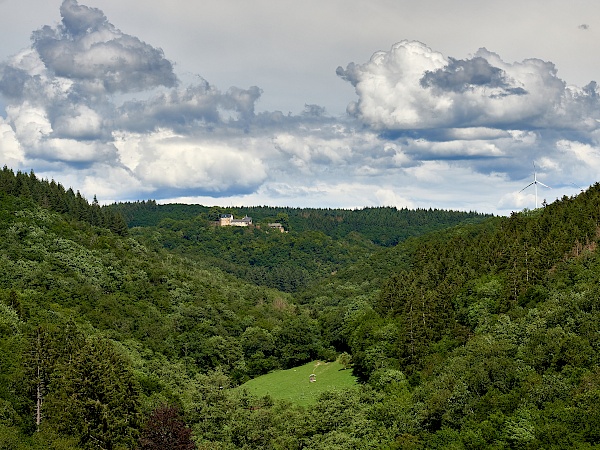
96, 398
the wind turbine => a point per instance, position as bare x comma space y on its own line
534, 183
578, 187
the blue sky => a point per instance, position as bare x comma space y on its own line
310, 104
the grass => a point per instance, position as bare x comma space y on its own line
294, 385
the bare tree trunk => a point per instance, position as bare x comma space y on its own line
39, 360
39, 399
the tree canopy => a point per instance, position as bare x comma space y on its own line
465, 331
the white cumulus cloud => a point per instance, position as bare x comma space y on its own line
174, 162
414, 87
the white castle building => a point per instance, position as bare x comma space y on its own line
227, 220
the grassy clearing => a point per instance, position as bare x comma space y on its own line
294, 385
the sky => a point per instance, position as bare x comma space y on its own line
331, 103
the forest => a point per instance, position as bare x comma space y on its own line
136, 325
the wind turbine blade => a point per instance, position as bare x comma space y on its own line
539, 182
530, 184
577, 186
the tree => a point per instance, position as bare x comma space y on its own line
284, 220
95, 398
165, 430
117, 224
39, 356
47, 349
297, 341
345, 360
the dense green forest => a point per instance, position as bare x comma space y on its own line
465, 331
318, 242
384, 226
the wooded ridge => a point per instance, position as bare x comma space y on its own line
465, 330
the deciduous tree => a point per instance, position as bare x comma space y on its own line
165, 429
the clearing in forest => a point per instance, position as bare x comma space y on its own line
295, 384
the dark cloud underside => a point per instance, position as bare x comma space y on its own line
463, 75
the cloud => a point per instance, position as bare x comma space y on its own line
88, 49
59, 91
170, 162
103, 111
460, 76
63, 111
312, 151
412, 87
579, 159
336, 150
13, 81
201, 104
79, 122
34, 133
10, 148
453, 149
389, 89
24, 77
333, 193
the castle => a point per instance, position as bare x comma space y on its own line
227, 220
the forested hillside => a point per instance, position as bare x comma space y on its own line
477, 335
319, 241
92, 319
384, 226
54, 197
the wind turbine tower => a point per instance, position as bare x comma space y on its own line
534, 183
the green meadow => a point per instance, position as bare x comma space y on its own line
295, 386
